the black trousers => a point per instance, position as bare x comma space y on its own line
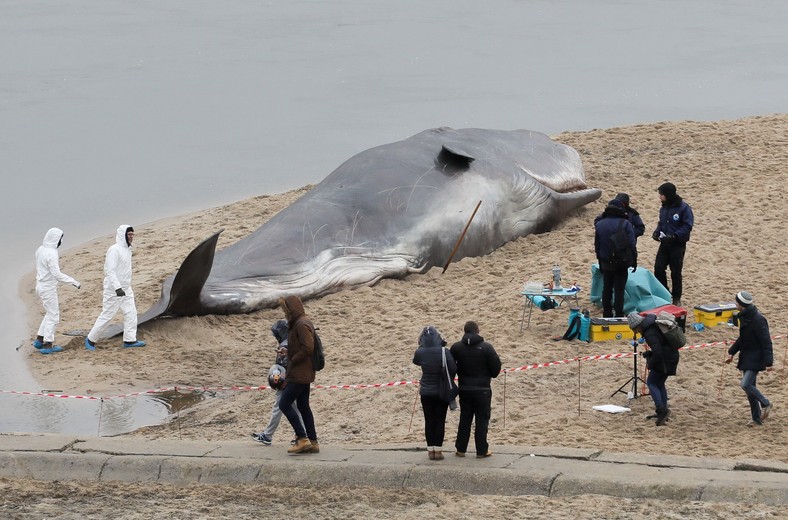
434, 419
614, 280
672, 256
474, 404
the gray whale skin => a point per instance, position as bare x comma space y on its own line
387, 212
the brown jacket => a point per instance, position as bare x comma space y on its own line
300, 341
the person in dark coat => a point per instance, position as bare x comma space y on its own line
632, 215
662, 361
300, 374
673, 232
754, 346
614, 275
429, 356
477, 362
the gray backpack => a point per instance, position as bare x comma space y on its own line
674, 336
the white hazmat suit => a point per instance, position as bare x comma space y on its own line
47, 276
117, 275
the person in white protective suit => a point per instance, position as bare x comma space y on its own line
47, 276
118, 295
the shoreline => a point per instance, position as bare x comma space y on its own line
370, 333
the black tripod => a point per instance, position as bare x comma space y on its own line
633, 393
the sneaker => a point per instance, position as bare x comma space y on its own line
38, 343
89, 345
262, 438
765, 411
459, 453
752, 424
130, 344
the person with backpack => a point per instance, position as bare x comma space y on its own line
754, 346
300, 375
477, 362
276, 380
662, 361
616, 252
633, 216
673, 232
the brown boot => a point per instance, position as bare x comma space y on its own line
431, 454
438, 455
315, 447
301, 446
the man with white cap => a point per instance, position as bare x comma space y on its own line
754, 346
48, 274
118, 294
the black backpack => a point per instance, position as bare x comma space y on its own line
621, 254
318, 357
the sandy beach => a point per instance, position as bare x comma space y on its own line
733, 175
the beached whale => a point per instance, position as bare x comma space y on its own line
387, 212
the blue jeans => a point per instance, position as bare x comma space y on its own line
755, 397
298, 393
656, 387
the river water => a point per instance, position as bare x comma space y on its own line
126, 112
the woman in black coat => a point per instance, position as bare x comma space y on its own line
429, 357
662, 361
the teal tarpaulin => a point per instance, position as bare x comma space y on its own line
642, 292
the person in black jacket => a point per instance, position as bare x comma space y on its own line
662, 362
477, 362
429, 356
633, 216
673, 232
754, 346
614, 273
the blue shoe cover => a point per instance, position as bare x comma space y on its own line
51, 350
38, 344
129, 344
89, 345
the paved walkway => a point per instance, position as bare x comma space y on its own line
516, 470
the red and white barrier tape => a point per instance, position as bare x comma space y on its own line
236, 388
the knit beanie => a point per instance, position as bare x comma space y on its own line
744, 298
634, 319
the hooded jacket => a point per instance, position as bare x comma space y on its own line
477, 362
428, 357
117, 264
605, 228
675, 219
279, 330
662, 358
300, 341
754, 344
48, 262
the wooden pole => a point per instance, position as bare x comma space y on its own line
462, 235
504, 400
415, 400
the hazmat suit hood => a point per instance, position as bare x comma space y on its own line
52, 238
120, 235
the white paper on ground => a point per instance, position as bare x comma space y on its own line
611, 408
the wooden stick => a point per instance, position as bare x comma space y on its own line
415, 400
462, 235
785, 355
578, 385
504, 400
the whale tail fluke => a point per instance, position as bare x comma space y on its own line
180, 294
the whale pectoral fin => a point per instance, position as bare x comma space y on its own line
184, 295
452, 160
